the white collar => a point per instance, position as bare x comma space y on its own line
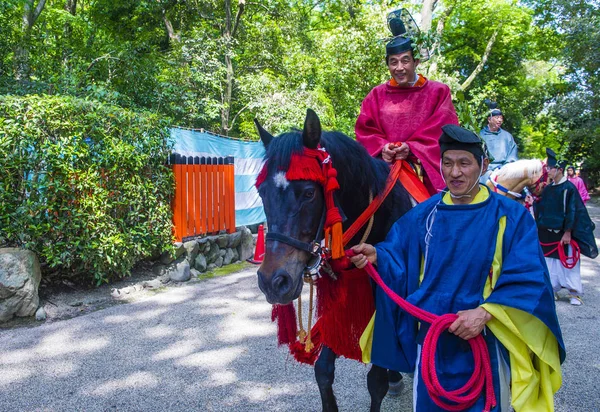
563, 180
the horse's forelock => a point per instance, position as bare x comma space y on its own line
281, 149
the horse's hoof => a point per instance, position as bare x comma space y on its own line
396, 388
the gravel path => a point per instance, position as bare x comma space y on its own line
210, 346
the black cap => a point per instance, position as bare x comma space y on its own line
553, 161
493, 106
398, 45
458, 138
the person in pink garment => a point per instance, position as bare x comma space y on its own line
579, 184
403, 118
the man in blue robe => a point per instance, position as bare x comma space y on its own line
476, 254
500, 143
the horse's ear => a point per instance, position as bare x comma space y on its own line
265, 136
311, 135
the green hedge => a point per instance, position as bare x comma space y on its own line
84, 184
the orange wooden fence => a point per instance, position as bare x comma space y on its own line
204, 201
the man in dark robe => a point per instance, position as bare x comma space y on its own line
562, 216
476, 254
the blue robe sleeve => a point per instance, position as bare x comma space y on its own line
395, 331
512, 155
524, 282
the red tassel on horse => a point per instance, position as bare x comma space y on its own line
298, 349
287, 330
344, 307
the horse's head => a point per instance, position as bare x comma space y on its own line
537, 185
515, 176
294, 209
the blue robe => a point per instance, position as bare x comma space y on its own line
501, 146
450, 274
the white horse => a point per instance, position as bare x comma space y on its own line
512, 178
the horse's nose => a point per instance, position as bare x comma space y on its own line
278, 286
261, 281
281, 282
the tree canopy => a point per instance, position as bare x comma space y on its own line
217, 64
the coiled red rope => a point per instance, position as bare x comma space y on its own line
458, 399
569, 262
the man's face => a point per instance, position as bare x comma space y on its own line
571, 172
495, 122
555, 173
461, 173
402, 67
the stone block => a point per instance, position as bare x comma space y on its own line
20, 278
179, 271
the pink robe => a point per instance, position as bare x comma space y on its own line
414, 115
578, 182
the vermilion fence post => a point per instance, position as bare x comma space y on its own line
230, 195
190, 197
215, 195
209, 195
197, 213
204, 195
227, 196
182, 198
175, 164
221, 171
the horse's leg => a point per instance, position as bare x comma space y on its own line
325, 374
378, 384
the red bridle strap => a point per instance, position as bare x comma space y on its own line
402, 171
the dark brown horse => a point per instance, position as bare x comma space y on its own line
294, 210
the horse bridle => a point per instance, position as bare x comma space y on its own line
314, 248
543, 178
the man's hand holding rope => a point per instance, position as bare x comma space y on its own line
469, 324
364, 253
395, 151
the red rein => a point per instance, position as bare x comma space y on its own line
462, 398
569, 262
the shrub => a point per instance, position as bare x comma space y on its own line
84, 184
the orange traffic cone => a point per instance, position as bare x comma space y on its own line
259, 251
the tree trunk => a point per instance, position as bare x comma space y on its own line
229, 32
71, 8
427, 14
30, 15
439, 31
173, 36
484, 59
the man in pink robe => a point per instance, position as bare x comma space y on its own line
579, 184
403, 118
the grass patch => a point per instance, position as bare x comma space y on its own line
226, 270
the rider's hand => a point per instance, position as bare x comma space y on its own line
470, 323
395, 151
566, 238
364, 253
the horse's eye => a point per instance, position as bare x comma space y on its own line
309, 194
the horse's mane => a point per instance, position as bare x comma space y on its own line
520, 168
356, 168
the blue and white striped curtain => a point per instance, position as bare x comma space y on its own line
248, 163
